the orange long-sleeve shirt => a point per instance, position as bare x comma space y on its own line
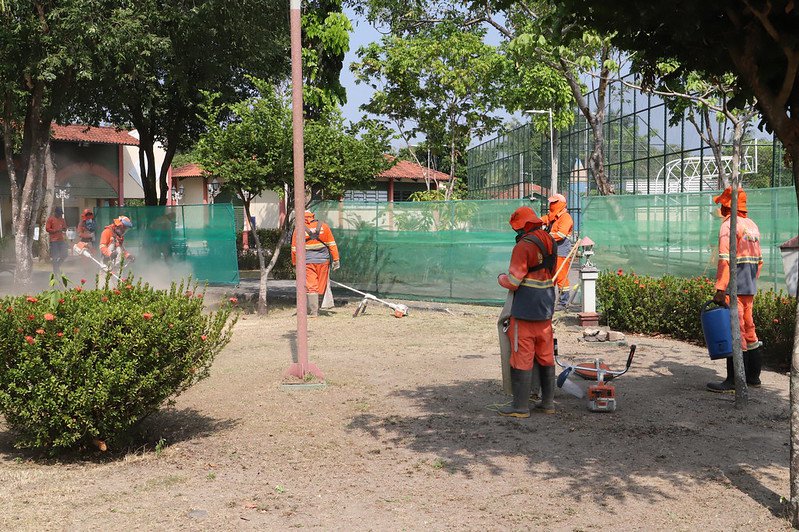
749, 257
317, 250
56, 227
527, 255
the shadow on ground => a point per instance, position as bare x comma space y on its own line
667, 431
170, 425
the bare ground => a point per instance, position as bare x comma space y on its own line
404, 437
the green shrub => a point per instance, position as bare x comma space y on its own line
248, 259
79, 365
671, 305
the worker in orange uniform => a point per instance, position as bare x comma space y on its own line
320, 251
56, 228
749, 261
561, 226
532, 265
87, 229
112, 241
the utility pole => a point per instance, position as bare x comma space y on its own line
302, 367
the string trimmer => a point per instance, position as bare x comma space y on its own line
601, 396
81, 249
399, 309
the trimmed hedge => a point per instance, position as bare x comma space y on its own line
82, 365
248, 260
671, 305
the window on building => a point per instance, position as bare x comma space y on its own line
366, 195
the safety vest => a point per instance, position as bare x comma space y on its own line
534, 300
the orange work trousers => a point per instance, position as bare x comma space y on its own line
745, 319
531, 341
316, 277
562, 281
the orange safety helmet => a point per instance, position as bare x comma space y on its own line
554, 198
524, 216
309, 216
87, 212
725, 199
123, 221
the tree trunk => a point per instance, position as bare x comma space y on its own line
793, 149
36, 138
48, 199
594, 118
162, 177
451, 187
262, 282
741, 390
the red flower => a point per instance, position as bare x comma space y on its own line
83, 281
49, 317
30, 339
31, 299
233, 300
199, 296
147, 316
59, 334
619, 272
129, 286
104, 299
116, 292
171, 325
39, 331
203, 337
124, 279
776, 320
10, 309
78, 289
31, 317
189, 293
61, 301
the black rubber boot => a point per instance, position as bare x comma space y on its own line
547, 405
728, 384
535, 383
313, 305
520, 381
753, 363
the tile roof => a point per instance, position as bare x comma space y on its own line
93, 135
189, 170
411, 170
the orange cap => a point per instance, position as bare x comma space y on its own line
725, 199
309, 216
557, 197
523, 216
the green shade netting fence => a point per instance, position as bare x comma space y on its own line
444, 251
453, 251
200, 241
677, 234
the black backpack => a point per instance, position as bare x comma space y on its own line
550, 259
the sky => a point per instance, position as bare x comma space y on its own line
357, 95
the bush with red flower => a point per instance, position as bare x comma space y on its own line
90, 366
671, 305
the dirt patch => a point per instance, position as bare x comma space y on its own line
404, 436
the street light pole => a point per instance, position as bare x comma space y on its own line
302, 367
553, 184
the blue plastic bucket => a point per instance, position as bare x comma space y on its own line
716, 327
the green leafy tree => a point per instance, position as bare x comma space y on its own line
536, 36
441, 82
165, 54
756, 40
47, 52
248, 147
326, 39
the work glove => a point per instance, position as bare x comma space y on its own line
336, 265
720, 298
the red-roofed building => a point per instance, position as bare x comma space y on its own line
399, 182
95, 166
